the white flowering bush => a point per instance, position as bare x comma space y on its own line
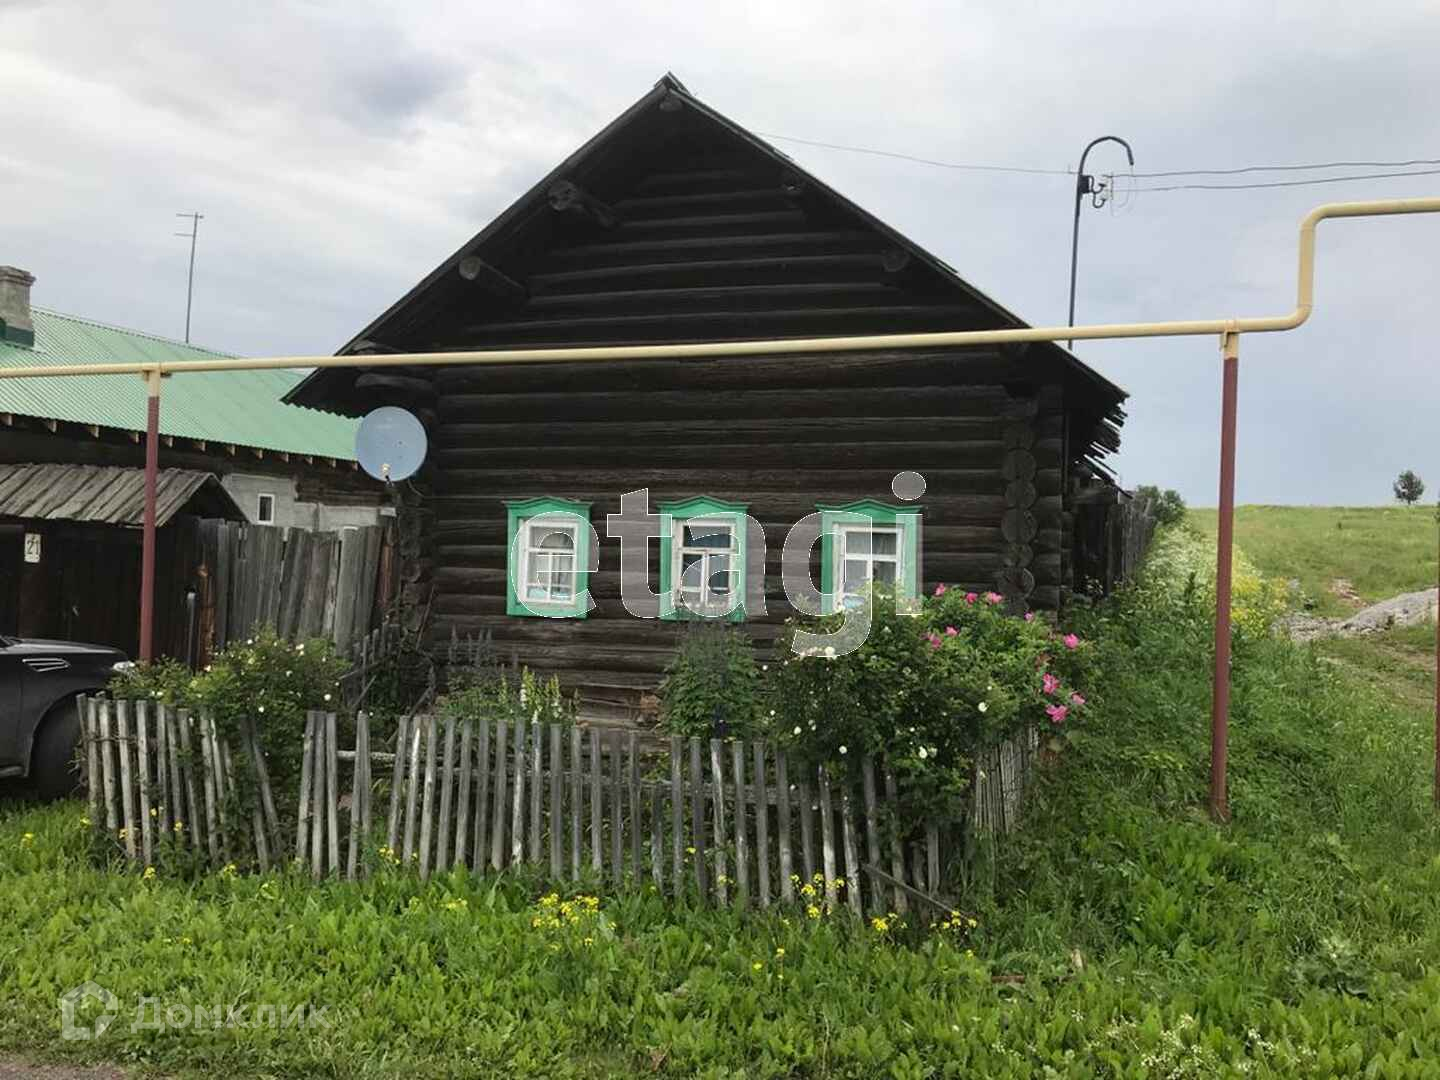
927, 690
267, 678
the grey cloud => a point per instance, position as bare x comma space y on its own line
341, 152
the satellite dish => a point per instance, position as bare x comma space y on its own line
390, 443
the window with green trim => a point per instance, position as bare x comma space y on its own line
548, 558
702, 559
868, 544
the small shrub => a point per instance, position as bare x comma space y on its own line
712, 685
1408, 487
494, 695
1167, 506
267, 678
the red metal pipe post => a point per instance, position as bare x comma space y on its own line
1224, 549
147, 548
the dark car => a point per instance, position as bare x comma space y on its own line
39, 724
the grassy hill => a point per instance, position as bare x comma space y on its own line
1379, 551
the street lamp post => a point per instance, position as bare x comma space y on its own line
1085, 185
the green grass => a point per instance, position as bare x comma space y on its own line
1121, 934
1381, 551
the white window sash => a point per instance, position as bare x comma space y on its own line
868, 559
538, 564
698, 597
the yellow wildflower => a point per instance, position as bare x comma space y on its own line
29, 838
756, 966
812, 912
149, 874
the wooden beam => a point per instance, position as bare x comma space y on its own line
168, 440
94, 430
569, 198
492, 280
366, 346
201, 444
403, 386
51, 424
8, 419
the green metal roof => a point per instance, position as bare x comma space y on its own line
238, 407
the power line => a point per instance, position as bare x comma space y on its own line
1310, 167
1287, 183
1293, 168
920, 160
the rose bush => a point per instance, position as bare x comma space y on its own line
926, 690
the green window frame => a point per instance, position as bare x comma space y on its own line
838, 522
676, 518
545, 567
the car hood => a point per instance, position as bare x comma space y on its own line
32, 646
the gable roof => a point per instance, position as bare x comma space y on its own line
241, 408
674, 223
109, 494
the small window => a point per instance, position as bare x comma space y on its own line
547, 563
869, 555
702, 559
865, 545
265, 510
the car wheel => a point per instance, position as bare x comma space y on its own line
54, 770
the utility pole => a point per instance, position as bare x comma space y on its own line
195, 219
1085, 185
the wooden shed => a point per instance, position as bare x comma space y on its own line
674, 224
70, 550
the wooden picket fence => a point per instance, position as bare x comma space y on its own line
729, 821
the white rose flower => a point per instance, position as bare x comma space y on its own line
923, 754
843, 750
983, 707
797, 729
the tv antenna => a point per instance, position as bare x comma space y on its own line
195, 218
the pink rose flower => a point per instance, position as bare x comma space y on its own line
1049, 683
950, 631
1057, 713
993, 598
971, 597
940, 589
1029, 616
1077, 700
934, 641
1071, 641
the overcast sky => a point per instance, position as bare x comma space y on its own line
340, 151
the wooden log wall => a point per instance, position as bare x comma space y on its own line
779, 434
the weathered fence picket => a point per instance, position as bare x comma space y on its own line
491, 793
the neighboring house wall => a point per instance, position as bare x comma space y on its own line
289, 509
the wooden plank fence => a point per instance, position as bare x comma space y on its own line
731, 822
303, 584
